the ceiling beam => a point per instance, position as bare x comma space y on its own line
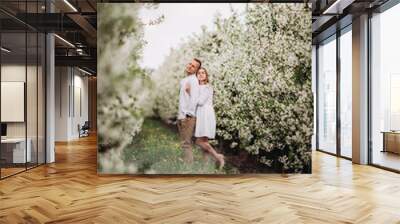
82, 61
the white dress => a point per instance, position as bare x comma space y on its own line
205, 115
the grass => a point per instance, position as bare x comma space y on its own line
156, 150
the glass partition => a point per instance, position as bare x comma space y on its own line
14, 145
33, 65
22, 78
31, 100
41, 110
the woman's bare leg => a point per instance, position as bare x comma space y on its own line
205, 145
205, 154
218, 156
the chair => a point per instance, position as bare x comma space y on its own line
84, 130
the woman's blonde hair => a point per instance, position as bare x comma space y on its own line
205, 70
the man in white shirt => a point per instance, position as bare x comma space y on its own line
188, 97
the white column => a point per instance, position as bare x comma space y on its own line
360, 90
50, 99
50, 92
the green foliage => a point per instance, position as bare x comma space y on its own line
156, 150
122, 84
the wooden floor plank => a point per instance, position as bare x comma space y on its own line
70, 191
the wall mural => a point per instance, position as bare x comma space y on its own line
191, 88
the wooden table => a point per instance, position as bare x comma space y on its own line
391, 141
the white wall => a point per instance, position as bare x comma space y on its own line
14, 73
70, 83
79, 117
61, 103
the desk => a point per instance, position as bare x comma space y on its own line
16, 147
391, 141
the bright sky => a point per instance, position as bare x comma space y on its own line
181, 20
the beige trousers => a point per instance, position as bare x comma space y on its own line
186, 130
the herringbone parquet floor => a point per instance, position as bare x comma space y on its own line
70, 191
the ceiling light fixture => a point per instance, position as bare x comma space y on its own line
64, 40
70, 5
5, 49
79, 51
84, 71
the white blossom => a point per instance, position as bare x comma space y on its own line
261, 73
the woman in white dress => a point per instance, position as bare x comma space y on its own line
205, 117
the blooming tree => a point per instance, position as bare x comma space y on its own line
260, 67
123, 86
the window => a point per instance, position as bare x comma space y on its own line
327, 95
385, 88
346, 92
